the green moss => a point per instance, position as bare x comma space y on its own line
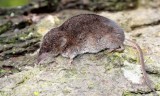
18, 38
22, 36
5, 27
97, 5
127, 93
158, 86
2, 71
113, 5
5, 71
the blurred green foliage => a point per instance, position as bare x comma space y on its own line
13, 3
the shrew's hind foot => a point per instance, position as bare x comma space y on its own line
120, 49
110, 50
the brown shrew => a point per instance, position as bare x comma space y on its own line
87, 33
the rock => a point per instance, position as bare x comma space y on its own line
149, 3
132, 73
130, 20
93, 5
27, 39
47, 23
89, 75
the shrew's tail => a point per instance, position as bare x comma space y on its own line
140, 55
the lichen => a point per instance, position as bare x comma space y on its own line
66, 91
36, 93
149, 60
2, 93
130, 55
91, 85
83, 70
71, 73
113, 60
